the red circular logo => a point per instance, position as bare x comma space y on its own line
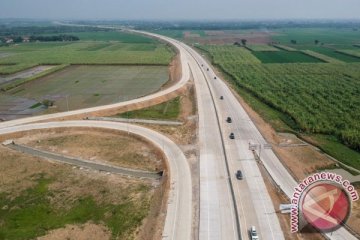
325, 206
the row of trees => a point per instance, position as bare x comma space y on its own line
55, 38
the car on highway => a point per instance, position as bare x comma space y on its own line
221, 97
239, 175
253, 233
214, 77
232, 136
229, 120
207, 69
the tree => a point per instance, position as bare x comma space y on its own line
316, 42
17, 39
293, 41
243, 41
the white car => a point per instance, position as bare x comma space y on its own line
253, 233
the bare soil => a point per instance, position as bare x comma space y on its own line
70, 183
97, 145
88, 231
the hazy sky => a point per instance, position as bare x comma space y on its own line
179, 9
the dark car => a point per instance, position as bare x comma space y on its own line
232, 136
239, 175
202, 65
207, 69
228, 119
221, 97
214, 77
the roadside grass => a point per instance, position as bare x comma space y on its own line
165, 111
332, 146
31, 214
285, 57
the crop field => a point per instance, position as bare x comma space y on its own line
93, 52
262, 48
331, 51
83, 86
285, 57
113, 36
316, 98
229, 53
324, 35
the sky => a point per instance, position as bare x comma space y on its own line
180, 9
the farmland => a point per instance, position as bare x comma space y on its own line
311, 98
285, 57
91, 52
84, 86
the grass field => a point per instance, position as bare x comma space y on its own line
285, 57
27, 55
304, 96
324, 35
87, 86
165, 111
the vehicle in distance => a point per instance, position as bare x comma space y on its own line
232, 136
221, 97
228, 119
253, 233
214, 77
239, 175
207, 69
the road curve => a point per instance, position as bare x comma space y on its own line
178, 222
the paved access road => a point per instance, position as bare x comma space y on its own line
178, 223
98, 166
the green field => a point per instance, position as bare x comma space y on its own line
88, 86
324, 35
229, 54
262, 48
331, 51
27, 55
165, 111
312, 98
113, 36
285, 57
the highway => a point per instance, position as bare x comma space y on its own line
228, 207
178, 222
245, 131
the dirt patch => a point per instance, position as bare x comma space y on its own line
354, 220
18, 172
86, 231
97, 145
